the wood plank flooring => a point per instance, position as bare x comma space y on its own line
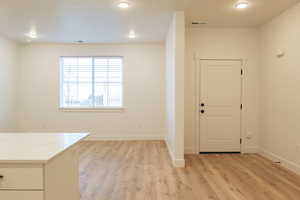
142, 170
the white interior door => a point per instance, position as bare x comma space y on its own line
220, 106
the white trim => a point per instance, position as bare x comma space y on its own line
177, 163
196, 106
294, 167
190, 150
197, 66
244, 148
96, 109
124, 137
251, 149
171, 153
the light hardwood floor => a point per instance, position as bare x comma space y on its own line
142, 170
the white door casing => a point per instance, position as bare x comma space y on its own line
220, 92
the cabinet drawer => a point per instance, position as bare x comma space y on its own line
21, 177
21, 195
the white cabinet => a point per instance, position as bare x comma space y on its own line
56, 179
37, 166
21, 177
21, 195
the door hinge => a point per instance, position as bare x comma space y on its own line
242, 72
241, 141
241, 106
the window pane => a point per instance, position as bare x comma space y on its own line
115, 70
101, 95
101, 61
85, 61
115, 61
114, 75
70, 61
114, 95
80, 78
77, 82
101, 70
78, 95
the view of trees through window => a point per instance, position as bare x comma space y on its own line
91, 82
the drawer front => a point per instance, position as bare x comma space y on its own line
21, 178
21, 195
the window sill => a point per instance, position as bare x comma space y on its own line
98, 109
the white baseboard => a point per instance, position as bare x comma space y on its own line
284, 162
190, 150
251, 150
178, 163
124, 137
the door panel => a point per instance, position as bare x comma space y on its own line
221, 95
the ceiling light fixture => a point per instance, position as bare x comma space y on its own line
242, 5
132, 35
32, 34
123, 5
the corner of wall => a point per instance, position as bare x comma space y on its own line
8, 84
292, 166
175, 49
178, 163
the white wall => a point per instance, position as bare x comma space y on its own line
170, 86
175, 48
280, 81
223, 43
8, 59
144, 92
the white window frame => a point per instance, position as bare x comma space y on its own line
90, 108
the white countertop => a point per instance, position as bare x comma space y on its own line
35, 147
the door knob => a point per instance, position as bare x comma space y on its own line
202, 111
202, 104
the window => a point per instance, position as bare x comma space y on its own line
91, 82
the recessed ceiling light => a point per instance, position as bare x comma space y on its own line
242, 5
132, 35
32, 34
123, 5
